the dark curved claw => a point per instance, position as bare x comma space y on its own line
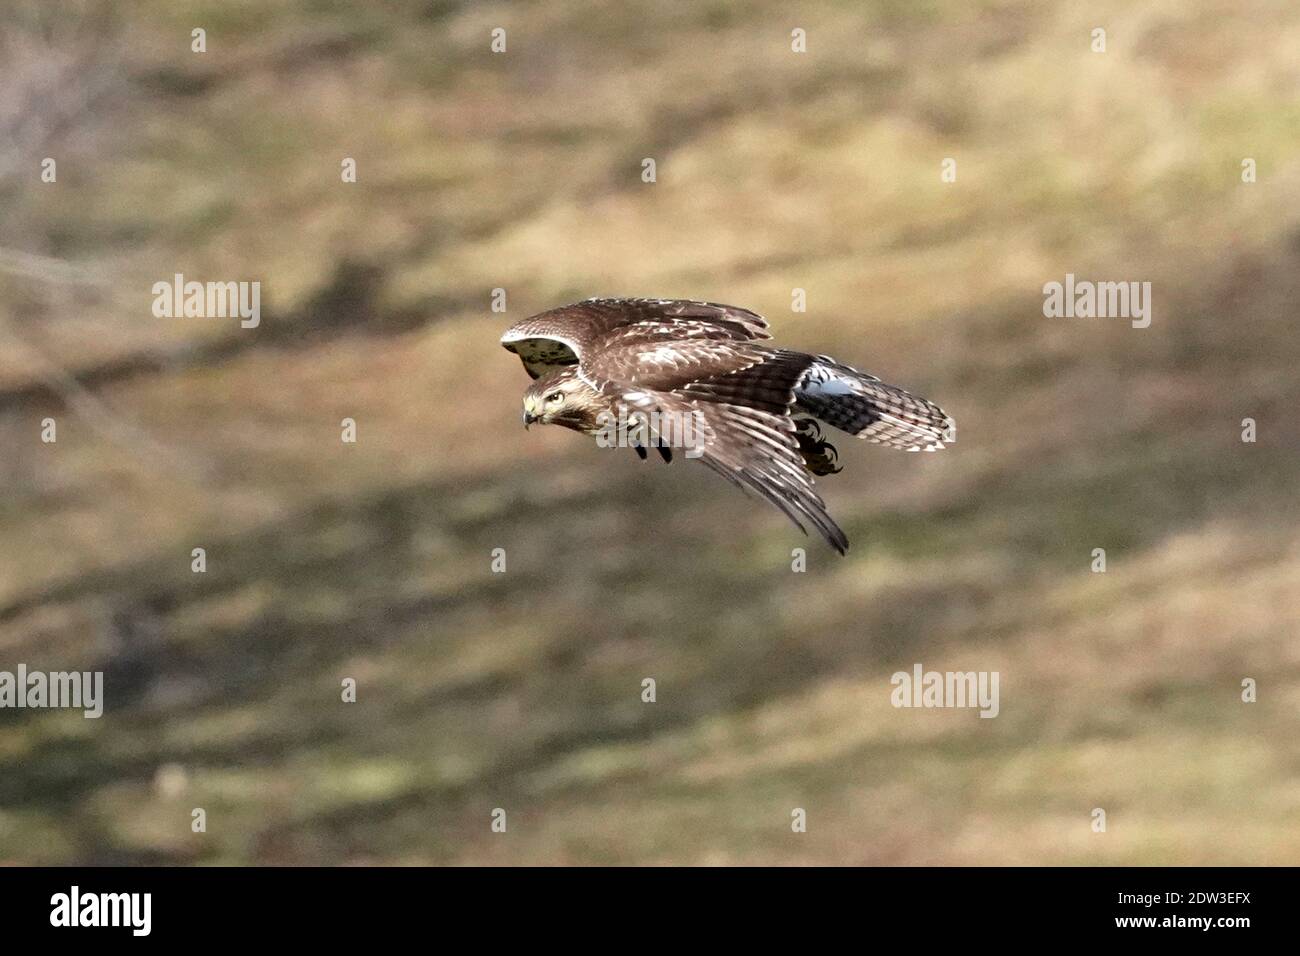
819, 456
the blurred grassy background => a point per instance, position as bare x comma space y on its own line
522, 690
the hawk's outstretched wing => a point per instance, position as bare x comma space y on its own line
739, 394
735, 372
751, 448
565, 336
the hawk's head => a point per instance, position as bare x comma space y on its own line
562, 398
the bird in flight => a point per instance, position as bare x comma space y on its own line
665, 373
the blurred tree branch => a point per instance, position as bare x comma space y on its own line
61, 64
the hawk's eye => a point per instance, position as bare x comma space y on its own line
555, 397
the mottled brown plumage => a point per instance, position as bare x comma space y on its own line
751, 407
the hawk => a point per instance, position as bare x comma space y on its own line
655, 370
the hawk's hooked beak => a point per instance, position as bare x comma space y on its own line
530, 409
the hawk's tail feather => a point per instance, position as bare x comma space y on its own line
866, 407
